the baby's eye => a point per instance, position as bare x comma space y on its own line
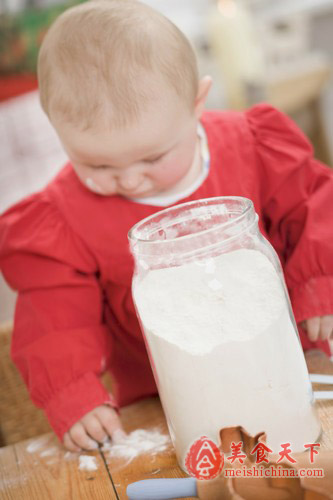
155, 160
101, 167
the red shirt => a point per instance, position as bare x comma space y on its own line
65, 250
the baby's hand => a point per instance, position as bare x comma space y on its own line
94, 427
319, 328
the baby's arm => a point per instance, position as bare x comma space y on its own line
60, 342
296, 194
94, 427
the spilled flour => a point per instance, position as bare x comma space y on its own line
37, 444
137, 443
128, 446
49, 452
87, 462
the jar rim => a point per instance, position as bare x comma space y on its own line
134, 235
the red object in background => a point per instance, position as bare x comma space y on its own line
14, 85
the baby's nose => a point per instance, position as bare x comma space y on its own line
130, 181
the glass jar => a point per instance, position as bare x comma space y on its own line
220, 333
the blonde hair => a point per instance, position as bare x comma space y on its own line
98, 59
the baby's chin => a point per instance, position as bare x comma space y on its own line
144, 194
95, 188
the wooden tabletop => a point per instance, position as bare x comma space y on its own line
40, 469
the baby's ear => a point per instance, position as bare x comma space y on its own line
204, 87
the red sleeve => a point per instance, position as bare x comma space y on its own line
297, 200
60, 344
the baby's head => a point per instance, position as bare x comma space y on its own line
119, 82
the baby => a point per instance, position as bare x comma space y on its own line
120, 85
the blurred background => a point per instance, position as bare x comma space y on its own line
255, 50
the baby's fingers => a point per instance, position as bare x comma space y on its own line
94, 428
326, 327
313, 328
111, 423
81, 438
69, 444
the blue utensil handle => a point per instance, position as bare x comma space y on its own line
162, 489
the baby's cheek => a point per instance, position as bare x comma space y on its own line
93, 186
99, 185
170, 172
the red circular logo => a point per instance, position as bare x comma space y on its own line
204, 459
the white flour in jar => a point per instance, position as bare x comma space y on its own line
225, 351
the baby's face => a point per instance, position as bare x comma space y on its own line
150, 157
